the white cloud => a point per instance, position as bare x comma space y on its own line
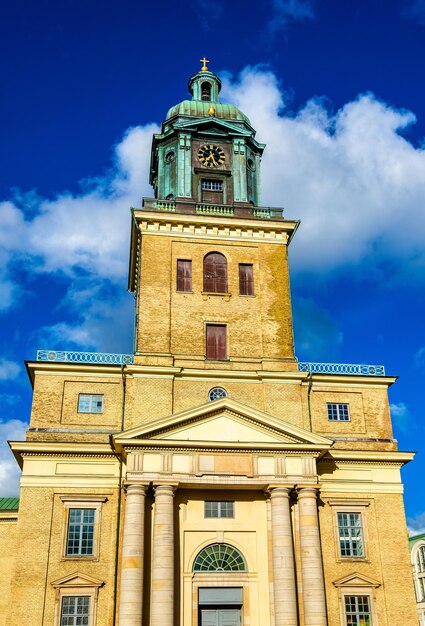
12, 430
284, 11
400, 415
416, 525
8, 369
420, 357
355, 182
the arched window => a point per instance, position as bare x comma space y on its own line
219, 557
215, 273
420, 560
206, 91
216, 393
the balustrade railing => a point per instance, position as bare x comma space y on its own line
69, 356
342, 368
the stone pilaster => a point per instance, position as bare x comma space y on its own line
131, 592
311, 559
285, 601
162, 594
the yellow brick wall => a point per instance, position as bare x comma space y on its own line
8, 550
41, 532
259, 326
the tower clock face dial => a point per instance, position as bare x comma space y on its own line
211, 156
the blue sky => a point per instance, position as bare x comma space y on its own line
334, 88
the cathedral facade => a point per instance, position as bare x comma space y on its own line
209, 478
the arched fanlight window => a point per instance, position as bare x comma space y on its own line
215, 273
206, 91
219, 557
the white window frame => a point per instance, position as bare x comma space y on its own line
350, 506
93, 399
221, 506
419, 576
356, 584
77, 585
75, 615
339, 412
82, 502
357, 614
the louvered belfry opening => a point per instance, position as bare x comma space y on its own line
215, 273
206, 91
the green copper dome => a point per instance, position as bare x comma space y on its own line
201, 108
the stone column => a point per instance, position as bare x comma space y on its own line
162, 594
285, 600
131, 592
311, 559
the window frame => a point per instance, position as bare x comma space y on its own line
351, 539
91, 396
419, 574
75, 615
81, 502
189, 290
248, 284
350, 506
357, 614
77, 585
356, 584
220, 506
214, 279
338, 406
226, 341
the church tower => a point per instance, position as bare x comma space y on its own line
208, 478
209, 264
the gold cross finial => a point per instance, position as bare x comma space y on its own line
204, 66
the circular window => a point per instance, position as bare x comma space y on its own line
170, 156
251, 165
216, 393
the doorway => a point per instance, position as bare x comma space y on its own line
220, 606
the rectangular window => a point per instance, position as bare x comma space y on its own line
212, 185
357, 611
246, 279
90, 403
184, 275
219, 509
338, 412
75, 611
80, 537
216, 342
350, 535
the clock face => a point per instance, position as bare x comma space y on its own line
211, 156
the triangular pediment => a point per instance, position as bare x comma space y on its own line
77, 580
213, 125
225, 420
356, 580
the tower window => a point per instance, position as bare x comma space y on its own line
206, 91
246, 279
216, 341
212, 185
338, 412
184, 275
215, 273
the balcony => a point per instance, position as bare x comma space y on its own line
189, 207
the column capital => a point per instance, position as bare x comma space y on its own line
307, 491
277, 491
170, 488
133, 488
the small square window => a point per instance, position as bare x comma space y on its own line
338, 412
75, 611
357, 611
350, 535
219, 509
90, 403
